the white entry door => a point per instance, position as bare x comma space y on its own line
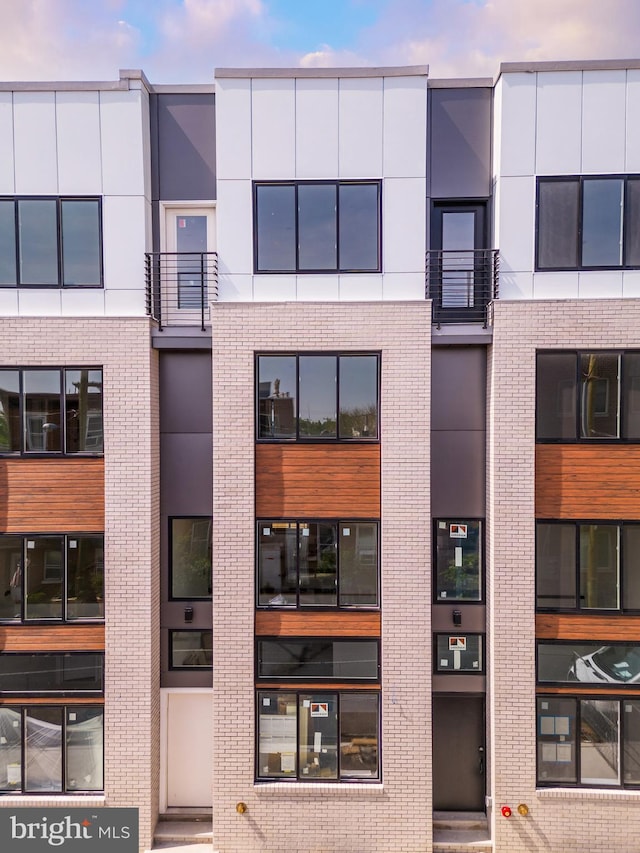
189, 747
188, 271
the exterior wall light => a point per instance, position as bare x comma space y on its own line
188, 614
505, 811
523, 809
457, 618
241, 808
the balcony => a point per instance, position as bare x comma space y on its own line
180, 286
462, 284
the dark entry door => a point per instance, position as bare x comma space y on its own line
458, 753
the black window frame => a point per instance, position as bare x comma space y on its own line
65, 438
338, 522
377, 183
577, 438
438, 670
575, 739
460, 519
591, 648
66, 790
59, 200
170, 520
324, 679
581, 180
62, 692
301, 777
311, 439
189, 667
21, 580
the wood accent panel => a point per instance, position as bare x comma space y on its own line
328, 686
53, 700
570, 626
276, 623
57, 638
591, 690
588, 481
51, 495
318, 480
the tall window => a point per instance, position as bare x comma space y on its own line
50, 242
317, 397
317, 563
190, 557
51, 410
588, 396
46, 673
317, 227
318, 659
51, 749
588, 223
458, 559
318, 736
52, 577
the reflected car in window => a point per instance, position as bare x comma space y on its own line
609, 664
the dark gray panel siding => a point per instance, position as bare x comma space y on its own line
458, 388
457, 474
185, 392
460, 142
186, 147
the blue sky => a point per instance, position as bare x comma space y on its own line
185, 40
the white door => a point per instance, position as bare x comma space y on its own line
189, 750
188, 267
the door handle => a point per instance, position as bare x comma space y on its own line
481, 759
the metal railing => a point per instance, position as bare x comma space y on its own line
462, 284
180, 286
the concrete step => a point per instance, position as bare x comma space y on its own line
460, 820
183, 832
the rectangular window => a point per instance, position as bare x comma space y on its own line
51, 410
50, 242
461, 653
588, 663
190, 558
323, 736
44, 673
51, 749
587, 566
317, 397
318, 659
57, 578
588, 222
317, 564
317, 227
190, 649
588, 396
458, 560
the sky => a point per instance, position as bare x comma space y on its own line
183, 41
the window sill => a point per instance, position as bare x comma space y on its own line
338, 788
52, 798
587, 794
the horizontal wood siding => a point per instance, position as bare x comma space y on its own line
591, 690
588, 481
326, 686
58, 638
320, 481
272, 623
53, 700
569, 626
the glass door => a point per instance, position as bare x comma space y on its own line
189, 263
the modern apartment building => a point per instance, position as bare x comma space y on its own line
319, 451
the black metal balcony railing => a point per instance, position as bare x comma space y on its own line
462, 284
180, 286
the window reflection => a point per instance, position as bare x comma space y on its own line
277, 395
318, 385
190, 557
10, 411
42, 410
458, 560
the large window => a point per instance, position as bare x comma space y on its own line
588, 223
318, 659
317, 397
317, 563
317, 227
51, 410
51, 749
458, 559
321, 736
588, 741
50, 242
588, 396
44, 673
52, 577
190, 557
589, 663
191, 649
587, 565
459, 654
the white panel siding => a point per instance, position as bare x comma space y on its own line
517, 214
274, 288
318, 288
603, 121
83, 302
124, 231
516, 285
361, 128
403, 224
632, 154
516, 132
600, 285
316, 128
122, 143
235, 288
233, 128
362, 288
78, 137
555, 285
34, 302
404, 286
7, 178
124, 303
8, 301
405, 127
558, 137
273, 129
35, 143
235, 226
631, 283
